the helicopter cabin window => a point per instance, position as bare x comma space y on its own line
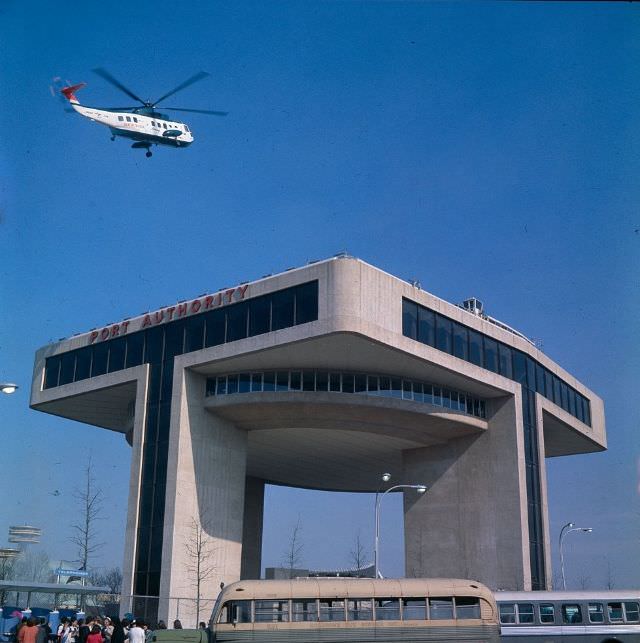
186, 127
135, 120
164, 125
120, 118
128, 119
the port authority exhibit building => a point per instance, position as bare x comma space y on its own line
324, 377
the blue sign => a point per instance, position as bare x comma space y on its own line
71, 572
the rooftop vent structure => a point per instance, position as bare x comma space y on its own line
473, 305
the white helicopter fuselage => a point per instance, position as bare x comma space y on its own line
139, 127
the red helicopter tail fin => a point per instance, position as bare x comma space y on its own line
69, 92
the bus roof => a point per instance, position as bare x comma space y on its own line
578, 595
353, 587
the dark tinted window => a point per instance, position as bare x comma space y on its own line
519, 367
506, 368
215, 328
460, 341
237, 322
491, 354
269, 381
194, 333
307, 302
409, 319
51, 372
259, 315
443, 334
540, 383
174, 339
426, 326
282, 309
67, 368
83, 363
475, 348
135, 348
116, 354
154, 344
99, 360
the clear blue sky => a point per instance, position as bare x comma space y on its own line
487, 149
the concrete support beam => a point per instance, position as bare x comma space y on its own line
205, 495
472, 522
251, 567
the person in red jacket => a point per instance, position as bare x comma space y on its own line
95, 636
29, 632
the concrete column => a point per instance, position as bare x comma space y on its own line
204, 498
472, 522
251, 567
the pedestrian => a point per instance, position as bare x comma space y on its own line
43, 631
107, 630
29, 632
95, 635
136, 632
202, 625
61, 626
83, 631
117, 635
177, 625
161, 625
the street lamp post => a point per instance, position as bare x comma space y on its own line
420, 488
567, 529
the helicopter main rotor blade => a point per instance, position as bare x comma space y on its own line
103, 73
196, 111
194, 79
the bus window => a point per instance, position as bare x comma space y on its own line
235, 612
547, 614
271, 612
440, 608
632, 614
596, 613
332, 610
388, 609
414, 609
359, 609
467, 607
508, 613
615, 611
571, 613
304, 609
525, 612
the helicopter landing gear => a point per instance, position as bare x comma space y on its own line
145, 145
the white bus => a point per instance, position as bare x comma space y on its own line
329, 610
607, 616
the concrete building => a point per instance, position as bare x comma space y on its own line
324, 377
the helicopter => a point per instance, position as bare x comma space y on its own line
143, 124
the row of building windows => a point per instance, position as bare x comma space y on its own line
547, 613
278, 310
300, 610
431, 328
358, 383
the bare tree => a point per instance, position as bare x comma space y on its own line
111, 578
88, 511
200, 551
292, 557
609, 578
584, 581
358, 556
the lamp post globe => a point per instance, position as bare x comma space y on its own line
8, 387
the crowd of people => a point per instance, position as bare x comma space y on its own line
92, 630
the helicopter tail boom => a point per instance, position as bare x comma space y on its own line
69, 92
